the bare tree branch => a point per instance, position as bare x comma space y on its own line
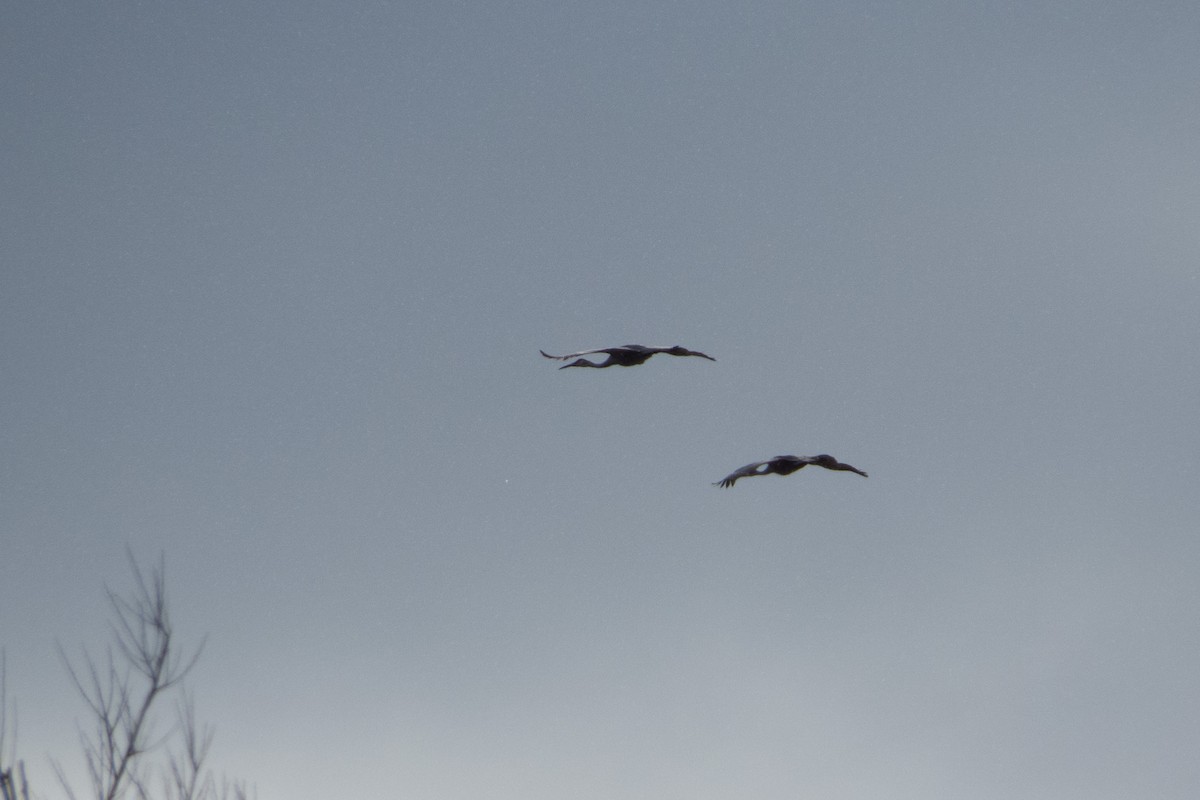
10, 788
122, 693
120, 699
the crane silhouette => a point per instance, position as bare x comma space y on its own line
629, 355
785, 465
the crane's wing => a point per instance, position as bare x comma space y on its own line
608, 350
748, 471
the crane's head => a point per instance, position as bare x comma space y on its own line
829, 462
679, 350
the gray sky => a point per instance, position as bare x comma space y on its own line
275, 277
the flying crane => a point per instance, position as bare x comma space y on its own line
786, 465
629, 355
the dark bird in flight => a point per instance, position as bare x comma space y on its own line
786, 465
628, 356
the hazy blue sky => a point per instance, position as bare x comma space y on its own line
275, 276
